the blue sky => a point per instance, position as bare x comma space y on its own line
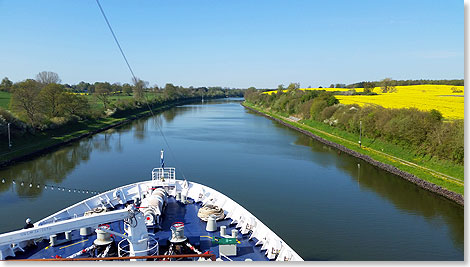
234, 43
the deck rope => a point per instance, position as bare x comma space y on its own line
209, 209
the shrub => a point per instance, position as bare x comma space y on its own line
320, 103
328, 112
305, 109
369, 116
345, 115
447, 141
436, 114
17, 127
317, 107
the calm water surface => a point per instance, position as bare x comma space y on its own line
325, 205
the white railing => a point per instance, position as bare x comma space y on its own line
164, 175
152, 247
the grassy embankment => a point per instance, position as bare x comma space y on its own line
29, 143
442, 173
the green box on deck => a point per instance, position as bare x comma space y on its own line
227, 241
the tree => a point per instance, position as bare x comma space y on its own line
127, 89
71, 104
91, 88
280, 88
251, 89
388, 85
332, 86
82, 87
50, 97
6, 85
47, 77
116, 87
171, 91
25, 101
102, 92
293, 86
369, 87
138, 89
155, 88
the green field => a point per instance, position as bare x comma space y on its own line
4, 100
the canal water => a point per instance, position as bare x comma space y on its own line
326, 205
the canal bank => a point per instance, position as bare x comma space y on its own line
26, 153
453, 196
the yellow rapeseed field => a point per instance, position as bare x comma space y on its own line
423, 97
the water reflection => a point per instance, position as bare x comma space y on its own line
402, 194
139, 129
50, 168
28, 178
170, 114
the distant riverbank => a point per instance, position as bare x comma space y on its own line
457, 198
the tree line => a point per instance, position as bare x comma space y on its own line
363, 84
388, 85
44, 103
424, 132
393, 83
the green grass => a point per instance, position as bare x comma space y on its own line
448, 168
4, 100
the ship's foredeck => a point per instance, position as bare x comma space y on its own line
194, 230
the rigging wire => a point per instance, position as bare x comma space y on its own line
136, 80
115, 39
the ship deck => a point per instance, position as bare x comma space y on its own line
194, 230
